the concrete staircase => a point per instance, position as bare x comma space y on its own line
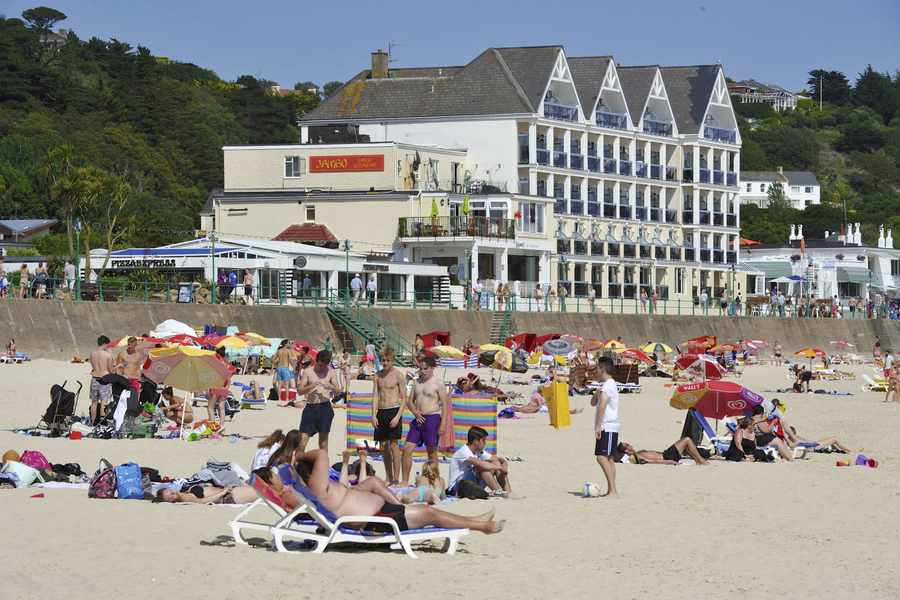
355, 329
501, 323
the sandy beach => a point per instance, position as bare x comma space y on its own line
799, 529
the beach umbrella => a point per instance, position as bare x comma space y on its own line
810, 353
715, 399
503, 360
705, 364
492, 348
593, 345
187, 368
841, 344
635, 354
254, 339
613, 344
558, 347
720, 348
231, 341
142, 342
657, 348
442, 351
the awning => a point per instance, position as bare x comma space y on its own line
773, 269
848, 275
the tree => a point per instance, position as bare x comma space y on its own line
777, 198
862, 133
331, 87
43, 18
307, 86
790, 147
57, 164
876, 90
835, 87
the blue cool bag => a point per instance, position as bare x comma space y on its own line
128, 482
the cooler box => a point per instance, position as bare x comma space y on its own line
556, 395
287, 395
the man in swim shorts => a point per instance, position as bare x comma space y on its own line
389, 400
284, 369
428, 403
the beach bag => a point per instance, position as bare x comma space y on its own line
103, 483
26, 475
128, 482
35, 459
471, 491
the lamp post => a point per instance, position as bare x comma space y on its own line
212, 254
77, 260
347, 247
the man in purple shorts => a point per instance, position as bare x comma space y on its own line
428, 403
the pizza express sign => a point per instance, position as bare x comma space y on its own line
141, 263
346, 163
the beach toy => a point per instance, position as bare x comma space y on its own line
861, 460
591, 490
38, 495
193, 437
74, 435
843, 463
872, 463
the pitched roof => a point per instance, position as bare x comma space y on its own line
531, 67
801, 178
689, 90
588, 73
306, 233
25, 226
759, 175
636, 83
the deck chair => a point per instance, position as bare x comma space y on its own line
720, 443
331, 529
279, 512
798, 451
873, 385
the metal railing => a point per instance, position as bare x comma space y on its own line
720, 134
440, 227
719, 177
576, 207
655, 127
704, 175
609, 165
640, 169
624, 167
561, 112
524, 155
593, 208
560, 159
611, 120
655, 171
671, 174
543, 156
559, 206
576, 161
593, 164
731, 179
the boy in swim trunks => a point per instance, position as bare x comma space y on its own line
389, 399
428, 404
102, 364
284, 369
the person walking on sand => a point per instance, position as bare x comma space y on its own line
284, 369
606, 423
389, 400
428, 403
319, 384
102, 364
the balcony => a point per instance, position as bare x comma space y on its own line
704, 175
640, 169
524, 186
580, 248
560, 112
615, 290
593, 164
593, 208
731, 258
687, 175
443, 227
671, 174
640, 213
645, 252
624, 211
672, 216
628, 250
543, 156
689, 217
596, 248
613, 250
704, 217
719, 177
482, 186
609, 165
731, 220
559, 206
677, 254
718, 256
629, 291
609, 211
576, 207
719, 134
655, 171
576, 161
659, 253
592, 194
560, 159
563, 247
689, 255
655, 214
731, 179
575, 192
610, 120
718, 219
704, 256
655, 127
523, 155
624, 167
542, 189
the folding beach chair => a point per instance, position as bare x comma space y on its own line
720, 443
332, 529
872, 385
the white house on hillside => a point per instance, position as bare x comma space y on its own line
800, 187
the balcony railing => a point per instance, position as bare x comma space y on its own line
676, 254
592, 194
542, 189
524, 186
731, 258
593, 208
731, 220
704, 217
624, 211
671, 174
485, 186
689, 217
575, 192
560, 159
609, 165
615, 290
576, 161
563, 247
593, 164
671, 216
718, 256
645, 251
719, 177
523, 155
687, 175
559, 206
609, 211
640, 213
543, 156
704, 175
718, 219
659, 253
731, 179
580, 248
576, 207
489, 227
640, 169
624, 167
655, 215
704, 255
655, 171
560, 112
720, 134
611, 120
655, 127
596, 248
689, 255
628, 250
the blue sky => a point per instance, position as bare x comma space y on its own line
775, 42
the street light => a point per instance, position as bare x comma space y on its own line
77, 260
347, 247
212, 254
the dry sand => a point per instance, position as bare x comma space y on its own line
805, 529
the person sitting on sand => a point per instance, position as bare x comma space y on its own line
175, 407
792, 438
765, 433
743, 442
344, 501
669, 456
534, 404
252, 392
198, 494
471, 464
430, 486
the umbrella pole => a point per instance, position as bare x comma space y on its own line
181, 430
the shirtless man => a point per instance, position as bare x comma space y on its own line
344, 501
669, 456
102, 364
428, 404
319, 384
388, 402
284, 369
132, 359
175, 408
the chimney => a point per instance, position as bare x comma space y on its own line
380, 60
781, 171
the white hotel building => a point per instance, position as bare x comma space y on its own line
620, 178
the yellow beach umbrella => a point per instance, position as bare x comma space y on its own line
187, 368
442, 351
232, 341
254, 339
490, 347
613, 344
657, 347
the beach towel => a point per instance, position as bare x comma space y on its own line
447, 439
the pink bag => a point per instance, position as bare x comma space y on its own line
35, 460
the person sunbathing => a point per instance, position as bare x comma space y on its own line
175, 407
669, 456
743, 442
766, 433
534, 404
430, 486
788, 433
344, 501
198, 494
361, 476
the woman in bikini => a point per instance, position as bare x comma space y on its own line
430, 487
199, 494
743, 442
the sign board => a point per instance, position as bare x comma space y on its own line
376, 268
185, 293
300, 262
346, 163
141, 263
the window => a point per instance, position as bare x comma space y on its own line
807, 190
679, 280
762, 187
532, 219
796, 188
310, 213
895, 268
294, 166
749, 187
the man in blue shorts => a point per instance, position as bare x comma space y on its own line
283, 362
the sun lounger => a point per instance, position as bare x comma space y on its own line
629, 388
873, 385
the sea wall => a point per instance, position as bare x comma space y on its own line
52, 329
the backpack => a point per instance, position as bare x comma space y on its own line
36, 460
103, 483
128, 482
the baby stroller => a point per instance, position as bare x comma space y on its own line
60, 414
